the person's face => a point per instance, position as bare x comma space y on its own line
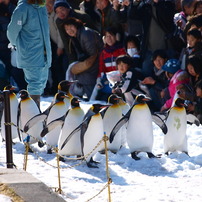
191, 41
71, 30
49, 5
110, 39
198, 92
169, 75
191, 70
198, 9
101, 4
130, 44
159, 62
122, 67
62, 12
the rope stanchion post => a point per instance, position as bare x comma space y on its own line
9, 154
58, 166
107, 166
26, 156
26, 140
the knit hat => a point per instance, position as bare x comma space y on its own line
62, 3
171, 66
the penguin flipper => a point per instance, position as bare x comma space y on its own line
52, 125
193, 119
116, 128
70, 135
34, 120
18, 119
159, 122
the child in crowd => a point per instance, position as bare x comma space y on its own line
194, 44
128, 84
196, 107
194, 39
158, 81
194, 68
176, 77
132, 45
113, 48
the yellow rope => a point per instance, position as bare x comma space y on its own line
107, 166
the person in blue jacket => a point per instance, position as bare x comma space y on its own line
28, 31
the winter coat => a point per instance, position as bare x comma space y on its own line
68, 46
108, 56
180, 77
5, 17
29, 32
89, 43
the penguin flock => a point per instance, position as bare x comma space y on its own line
65, 125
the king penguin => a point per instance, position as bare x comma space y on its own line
91, 132
14, 111
176, 121
111, 115
64, 86
57, 110
27, 109
139, 135
72, 119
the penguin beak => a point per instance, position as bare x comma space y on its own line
146, 99
13, 88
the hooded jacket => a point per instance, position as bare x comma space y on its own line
29, 32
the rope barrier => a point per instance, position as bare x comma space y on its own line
82, 158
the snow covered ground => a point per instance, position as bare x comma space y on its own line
170, 178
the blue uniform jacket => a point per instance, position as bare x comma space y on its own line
29, 32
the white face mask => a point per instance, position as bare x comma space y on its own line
132, 51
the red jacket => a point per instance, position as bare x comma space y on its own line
108, 57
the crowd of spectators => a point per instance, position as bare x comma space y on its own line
154, 46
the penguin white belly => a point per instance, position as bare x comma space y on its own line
28, 110
73, 146
13, 111
111, 117
139, 130
93, 135
56, 112
175, 139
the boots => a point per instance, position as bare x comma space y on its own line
36, 98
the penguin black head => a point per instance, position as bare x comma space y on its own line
179, 102
10, 88
60, 96
97, 107
113, 99
141, 98
64, 86
74, 102
24, 94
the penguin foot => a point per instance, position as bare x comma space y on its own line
92, 161
79, 157
91, 165
49, 151
30, 150
41, 144
134, 156
61, 159
186, 153
166, 153
150, 155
